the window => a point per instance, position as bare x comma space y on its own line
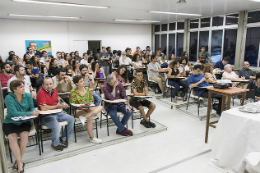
157, 28
232, 19
230, 44
171, 44
253, 17
216, 45
204, 39
164, 27
180, 37
157, 44
172, 27
205, 22
180, 25
218, 21
252, 45
194, 23
193, 46
163, 43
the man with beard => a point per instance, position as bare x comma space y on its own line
5, 76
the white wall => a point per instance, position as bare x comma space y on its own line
13, 34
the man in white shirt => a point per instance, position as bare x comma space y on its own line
154, 69
231, 75
44, 57
85, 59
30, 51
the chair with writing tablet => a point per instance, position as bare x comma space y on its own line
252, 160
172, 88
32, 133
150, 81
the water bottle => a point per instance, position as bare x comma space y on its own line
101, 75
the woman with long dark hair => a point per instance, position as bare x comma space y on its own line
36, 62
53, 67
65, 63
121, 74
75, 68
26, 57
72, 55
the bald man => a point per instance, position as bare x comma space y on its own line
246, 72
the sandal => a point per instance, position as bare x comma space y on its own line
15, 167
22, 171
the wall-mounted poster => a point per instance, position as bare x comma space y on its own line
39, 45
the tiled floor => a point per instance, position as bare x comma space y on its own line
158, 152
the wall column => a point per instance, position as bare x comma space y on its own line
186, 35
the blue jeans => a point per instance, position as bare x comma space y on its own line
97, 99
177, 85
52, 122
112, 111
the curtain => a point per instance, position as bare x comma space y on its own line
3, 163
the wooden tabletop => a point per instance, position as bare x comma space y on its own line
229, 91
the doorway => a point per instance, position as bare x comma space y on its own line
94, 45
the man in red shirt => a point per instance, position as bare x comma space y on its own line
5, 76
48, 99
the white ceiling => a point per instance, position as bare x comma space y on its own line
125, 9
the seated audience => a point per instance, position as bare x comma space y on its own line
18, 103
208, 73
90, 54
26, 58
174, 73
154, 69
63, 84
121, 74
255, 85
246, 72
20, 74
13, 58
163, 62
137, 50
220, 65
75, 68
63, 55
47, 64
33, 73
77, 57
30, 51
97, 70
142, 57
128, 53
59, 59
85, 59
48, 99
36, 62
115, 59
53, 67
82, 95
89, 82
172, 57
114, 90
147, 58
231, 75
197, 80
90, 61
65, 63
184, 67
72, 55
44, 57
204, 56
136, 62
139, 88
124, 60
5, 76
104, 60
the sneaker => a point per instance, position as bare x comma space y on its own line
83, 120
96, 141
145, 124
123, 133
64, 144
153, 125
57, 148
129, 132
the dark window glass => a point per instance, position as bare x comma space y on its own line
193, 46
172, 26
157, 28
157, 39
171, 44
232, 19
205, 22
216, 45
180, 37
218, 21
204, 39
194, 23
230, 44
253, 17
164, 27
163, 43
180, 25
252, 45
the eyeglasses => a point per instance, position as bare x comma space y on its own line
139, 75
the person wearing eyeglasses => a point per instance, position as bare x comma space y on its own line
197, 80
139, 88
246, 72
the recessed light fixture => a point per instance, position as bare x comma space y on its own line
60, 3
165, 12
26, 15
137, 20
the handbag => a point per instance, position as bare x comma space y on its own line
222, 85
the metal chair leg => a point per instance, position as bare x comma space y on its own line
101, 119
107, 127
188, 100
66, 128
96, 127
41, 141
75, 133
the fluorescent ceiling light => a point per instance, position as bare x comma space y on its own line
60, 3
255, 0
126, 20
25, 15
164, 12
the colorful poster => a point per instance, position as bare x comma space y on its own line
39, 45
